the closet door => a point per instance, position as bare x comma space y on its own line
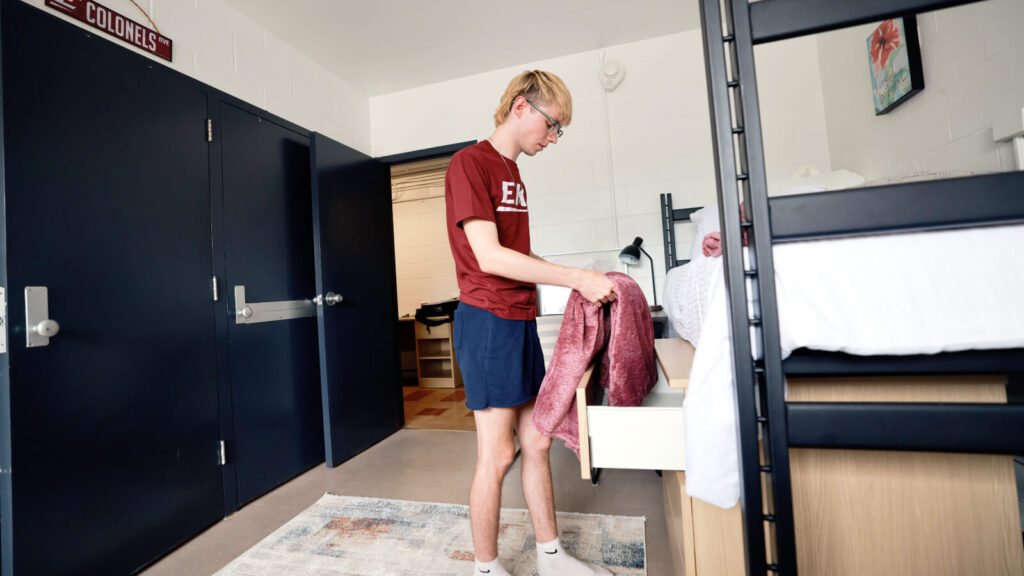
358, 316
275, 392
110, 458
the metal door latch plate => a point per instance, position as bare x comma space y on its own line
3, 320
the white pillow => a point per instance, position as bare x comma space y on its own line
706, 222
687, 296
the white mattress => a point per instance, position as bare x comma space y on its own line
901, 294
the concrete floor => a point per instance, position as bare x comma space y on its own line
428, 466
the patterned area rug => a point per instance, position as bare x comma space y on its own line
370, 537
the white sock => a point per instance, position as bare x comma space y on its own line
492, 568
553, 560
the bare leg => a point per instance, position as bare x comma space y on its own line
535, 449
552, 559
495, 452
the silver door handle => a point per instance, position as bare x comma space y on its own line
331, 299
48, 328
253, 312
39, 327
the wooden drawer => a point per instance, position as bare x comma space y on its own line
646, 437
442, 331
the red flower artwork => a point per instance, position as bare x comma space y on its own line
885, 39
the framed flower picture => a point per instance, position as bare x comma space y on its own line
894, 54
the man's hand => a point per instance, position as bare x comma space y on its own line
493, 258
595, 286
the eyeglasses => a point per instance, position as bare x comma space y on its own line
555, 127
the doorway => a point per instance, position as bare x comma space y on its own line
433, 396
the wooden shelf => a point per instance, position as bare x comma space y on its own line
435, 357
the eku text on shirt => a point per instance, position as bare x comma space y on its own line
510, 204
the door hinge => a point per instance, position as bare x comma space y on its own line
209, 130
222, 453
216, 289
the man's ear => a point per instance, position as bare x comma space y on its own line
519, 105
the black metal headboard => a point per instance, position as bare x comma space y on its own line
669, 217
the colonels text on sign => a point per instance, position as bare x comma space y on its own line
115, 24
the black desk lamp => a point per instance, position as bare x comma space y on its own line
631, 255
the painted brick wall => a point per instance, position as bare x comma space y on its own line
973, 61
599, 187
220, 47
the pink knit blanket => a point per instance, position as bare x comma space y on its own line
618, 338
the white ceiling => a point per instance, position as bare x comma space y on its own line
382, 46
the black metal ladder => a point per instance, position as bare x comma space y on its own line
767, 426
736, 127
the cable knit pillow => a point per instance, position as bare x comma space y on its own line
688, 295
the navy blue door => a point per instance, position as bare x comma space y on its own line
111, 455
360, 372
275, 376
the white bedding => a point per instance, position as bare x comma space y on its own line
917, 293
688, 296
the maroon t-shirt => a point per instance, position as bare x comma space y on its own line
480, 185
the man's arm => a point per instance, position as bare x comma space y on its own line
501, 261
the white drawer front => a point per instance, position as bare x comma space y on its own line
646, 438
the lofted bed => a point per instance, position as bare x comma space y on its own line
884, 448
776, 426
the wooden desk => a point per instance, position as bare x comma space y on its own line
890, 513
703, 539
857, 512
675, 356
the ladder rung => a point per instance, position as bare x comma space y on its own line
769, 518
772, 567
728, 38
742, 177
737, 130
746, 224
762, 419
750, 273
765, 468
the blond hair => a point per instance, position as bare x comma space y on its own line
540, 88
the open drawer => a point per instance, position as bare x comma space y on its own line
647, 437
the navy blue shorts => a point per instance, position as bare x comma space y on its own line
501, 361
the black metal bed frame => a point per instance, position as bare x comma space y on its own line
669, 217
731, 28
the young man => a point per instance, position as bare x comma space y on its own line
495, 331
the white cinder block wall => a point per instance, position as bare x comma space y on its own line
599, 187
595, 191
220, 47
973, 62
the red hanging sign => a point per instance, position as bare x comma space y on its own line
112, 23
